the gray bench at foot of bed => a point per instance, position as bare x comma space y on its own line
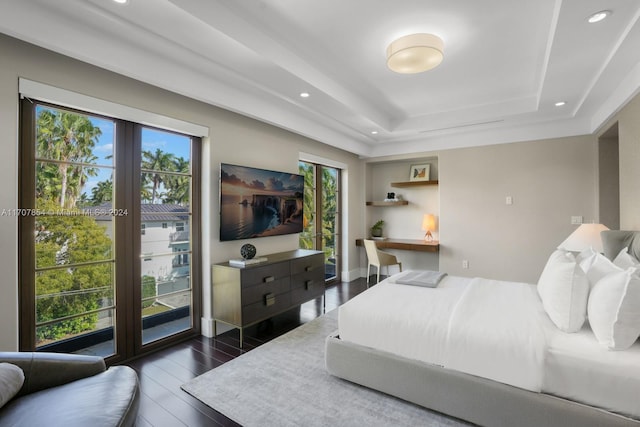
468, 397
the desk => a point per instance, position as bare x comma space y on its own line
405, 244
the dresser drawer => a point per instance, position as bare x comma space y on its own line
307, 264
255, 293
268, 273
269, 306
308, 290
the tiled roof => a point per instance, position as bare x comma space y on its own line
149, 212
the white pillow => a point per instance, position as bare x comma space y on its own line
11, 380
624, 260
564, 290
596, 266
614, 309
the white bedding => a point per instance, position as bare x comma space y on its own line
450, 326
578, 368
444, 325
497, 331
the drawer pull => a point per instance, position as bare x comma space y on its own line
308, 284
268, 279
269, 299
308, 268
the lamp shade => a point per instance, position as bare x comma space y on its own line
415, 53
428, 222
586, 236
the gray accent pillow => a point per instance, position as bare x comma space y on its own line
613, 241
11, 380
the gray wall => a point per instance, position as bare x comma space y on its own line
549, 181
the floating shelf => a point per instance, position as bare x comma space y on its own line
383, 203
413, 183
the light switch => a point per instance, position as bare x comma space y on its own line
509, 200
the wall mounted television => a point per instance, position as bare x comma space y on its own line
259, 202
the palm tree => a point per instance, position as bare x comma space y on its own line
178, 185
152, 166
102, 192
69, 139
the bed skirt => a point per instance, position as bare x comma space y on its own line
475, 399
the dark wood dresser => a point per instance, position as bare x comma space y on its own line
244, 296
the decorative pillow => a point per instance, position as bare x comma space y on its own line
624, 260
11, 380
596, 266
564, 290
614, 309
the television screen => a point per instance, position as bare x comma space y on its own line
259, 203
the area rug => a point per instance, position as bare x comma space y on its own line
284, 383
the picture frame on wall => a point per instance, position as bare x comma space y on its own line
419, 172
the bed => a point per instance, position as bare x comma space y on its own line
510, 365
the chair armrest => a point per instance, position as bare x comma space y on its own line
387, 258
45, 370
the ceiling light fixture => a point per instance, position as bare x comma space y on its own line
304, 95
560, 103
374, 132
415, 53
598, 16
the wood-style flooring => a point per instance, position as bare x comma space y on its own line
163, 403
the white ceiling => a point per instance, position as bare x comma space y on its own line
507, 62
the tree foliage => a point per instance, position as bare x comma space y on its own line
66, 290
329, 205
176, 187
70, 289
69, 139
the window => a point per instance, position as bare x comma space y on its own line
322, 214
90, 181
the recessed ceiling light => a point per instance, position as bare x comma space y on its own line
304, 94
374, 132
560, 103
598, 16
121, 1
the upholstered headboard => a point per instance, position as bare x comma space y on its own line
614, 240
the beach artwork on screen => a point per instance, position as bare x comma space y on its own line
259, 203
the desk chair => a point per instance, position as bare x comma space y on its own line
378, 258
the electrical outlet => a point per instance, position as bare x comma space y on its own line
576, 220
465, 263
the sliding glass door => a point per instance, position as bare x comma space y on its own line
322, 215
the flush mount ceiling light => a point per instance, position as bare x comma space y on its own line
121, 1
415, 53
304, 95
560, 103
598, 16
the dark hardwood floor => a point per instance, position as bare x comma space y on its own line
163, 403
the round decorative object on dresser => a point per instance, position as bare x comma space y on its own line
248, 251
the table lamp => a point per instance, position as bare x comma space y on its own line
428, 225
586, 236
